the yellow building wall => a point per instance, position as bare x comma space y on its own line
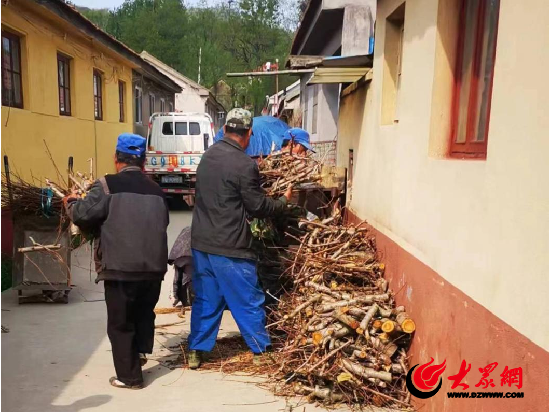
79, 135
481, 224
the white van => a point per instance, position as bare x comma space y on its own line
176, 142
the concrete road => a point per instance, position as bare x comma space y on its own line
57, 358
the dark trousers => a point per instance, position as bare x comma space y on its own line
131, 324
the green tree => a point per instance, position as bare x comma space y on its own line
231, 38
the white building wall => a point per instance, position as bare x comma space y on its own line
190, 100
327, 110
329, 98
481, 224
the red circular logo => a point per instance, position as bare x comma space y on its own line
425, 381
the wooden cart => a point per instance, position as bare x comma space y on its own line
43, 271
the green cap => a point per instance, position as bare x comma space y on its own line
239, 119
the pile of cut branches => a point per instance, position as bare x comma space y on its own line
343, 338
281, 169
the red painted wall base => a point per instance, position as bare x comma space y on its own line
451, 326
7, 233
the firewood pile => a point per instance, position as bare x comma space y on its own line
281, 169
343, 339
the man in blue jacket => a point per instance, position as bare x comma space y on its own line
228, 194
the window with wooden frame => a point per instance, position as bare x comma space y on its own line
121, 101
12, 89
162, 105
138, 105
473, 79
98, 95
64, 83
151, 104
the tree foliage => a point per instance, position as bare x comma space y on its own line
239, 36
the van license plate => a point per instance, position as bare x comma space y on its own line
171, 179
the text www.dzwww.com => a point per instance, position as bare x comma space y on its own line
485, 395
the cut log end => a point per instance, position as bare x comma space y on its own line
408, 326
377, 324
389, 326
405, 322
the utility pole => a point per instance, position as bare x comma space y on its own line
277, 88
200, 53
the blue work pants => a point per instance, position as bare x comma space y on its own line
220, 281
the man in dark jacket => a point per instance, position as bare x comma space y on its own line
127, 213
228, 193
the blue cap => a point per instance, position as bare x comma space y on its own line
300, 136
131, 144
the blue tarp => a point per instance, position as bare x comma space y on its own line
265, 131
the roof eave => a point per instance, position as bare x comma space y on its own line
303, 25
73, 16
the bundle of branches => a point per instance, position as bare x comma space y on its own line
344, 340
281, 169
29, 199
40, 198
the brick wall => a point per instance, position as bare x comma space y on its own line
325, 152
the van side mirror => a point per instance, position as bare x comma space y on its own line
206, 136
